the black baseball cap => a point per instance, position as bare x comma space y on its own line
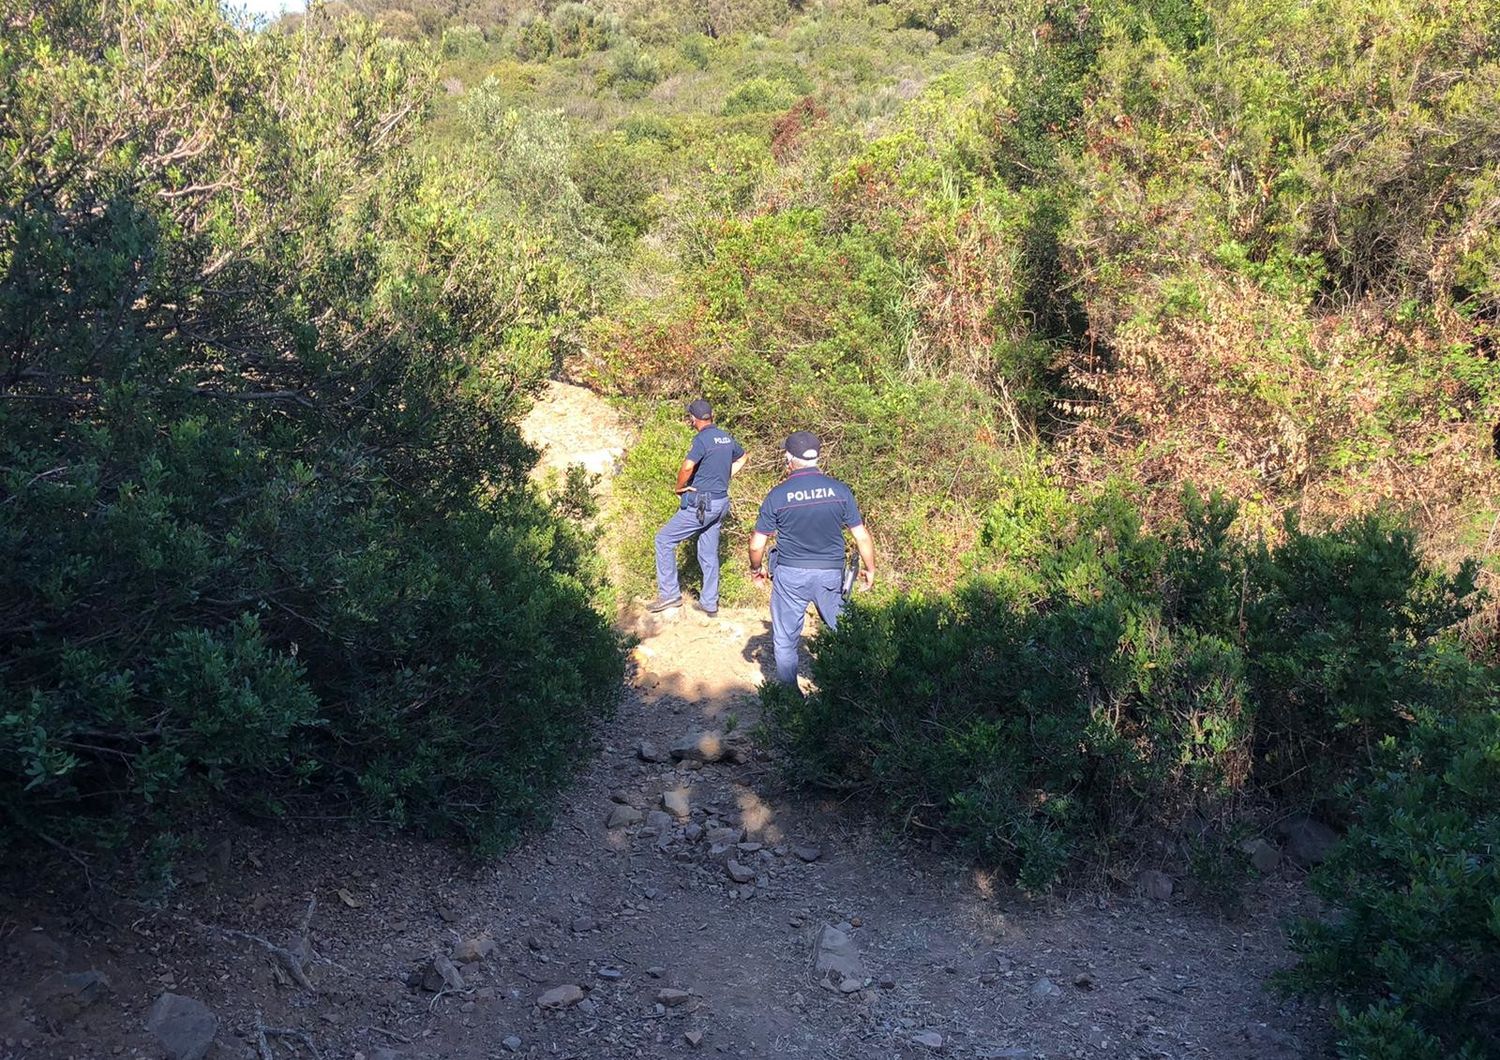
803, 445
700, 410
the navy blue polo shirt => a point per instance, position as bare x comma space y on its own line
808, 512
713, 451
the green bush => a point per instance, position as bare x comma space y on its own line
631, 70
578, 29
268, 539
1094, 683
1411, 948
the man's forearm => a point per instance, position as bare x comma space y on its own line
866, 545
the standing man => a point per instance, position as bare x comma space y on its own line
703, 484
808, 514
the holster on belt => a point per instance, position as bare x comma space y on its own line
701, 503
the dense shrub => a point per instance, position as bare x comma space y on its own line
1412, 946
266, 536
1095, 683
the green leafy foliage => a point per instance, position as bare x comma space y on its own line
1413, 946
267, 535
1094, 684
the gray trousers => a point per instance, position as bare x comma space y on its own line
792, 589
683, 525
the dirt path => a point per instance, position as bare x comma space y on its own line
950, 962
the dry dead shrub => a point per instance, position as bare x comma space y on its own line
789, 131
1333, 414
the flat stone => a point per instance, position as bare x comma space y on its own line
739, 873
1154, 884
475, 949
676, 803
1263, 855
647, 751
928, 1039
64, 995
837, 955
850, 986
565, 996
512, 1043
1307, 841
1045, 989
659, 820
709, 745
694, 1038
185, 1026
583, 924
622, 816
451, 979
721, 839
807, 853
671, 997
693, 832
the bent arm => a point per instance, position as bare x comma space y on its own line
866, 545
685, 475
734, 468
757, 550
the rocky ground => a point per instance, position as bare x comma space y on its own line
682, 901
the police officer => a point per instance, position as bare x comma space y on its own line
807, 514
703, 484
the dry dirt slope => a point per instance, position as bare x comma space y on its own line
659, 949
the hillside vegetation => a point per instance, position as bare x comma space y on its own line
1158, 340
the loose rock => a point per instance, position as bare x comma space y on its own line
185, 1026
928, 1039
1155, 884
1263, 855
475, 949
807, 853
1045, 989
837, 955
739, 873
694, 1038
676, 803
565, 996
672, 997
1307, 841
647, 751
512, 1043
623, 817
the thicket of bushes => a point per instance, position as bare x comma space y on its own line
266, 536
1095, 688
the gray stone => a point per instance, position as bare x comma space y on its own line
565, 996
582, 924
676, 803
807, 853
447, 973
475, 949
647, 751
739, 873
709, 745
721, 839
1045, 989
837, 955
693, 1037
693, 832
623, 817
512, 1043
1154, 884
850, 985
1263, 855
63, 996
185, 1026
928, 1039
671, 997
1307, 841
659, 820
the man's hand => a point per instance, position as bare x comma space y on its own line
680, 490
758, 576
867, 577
